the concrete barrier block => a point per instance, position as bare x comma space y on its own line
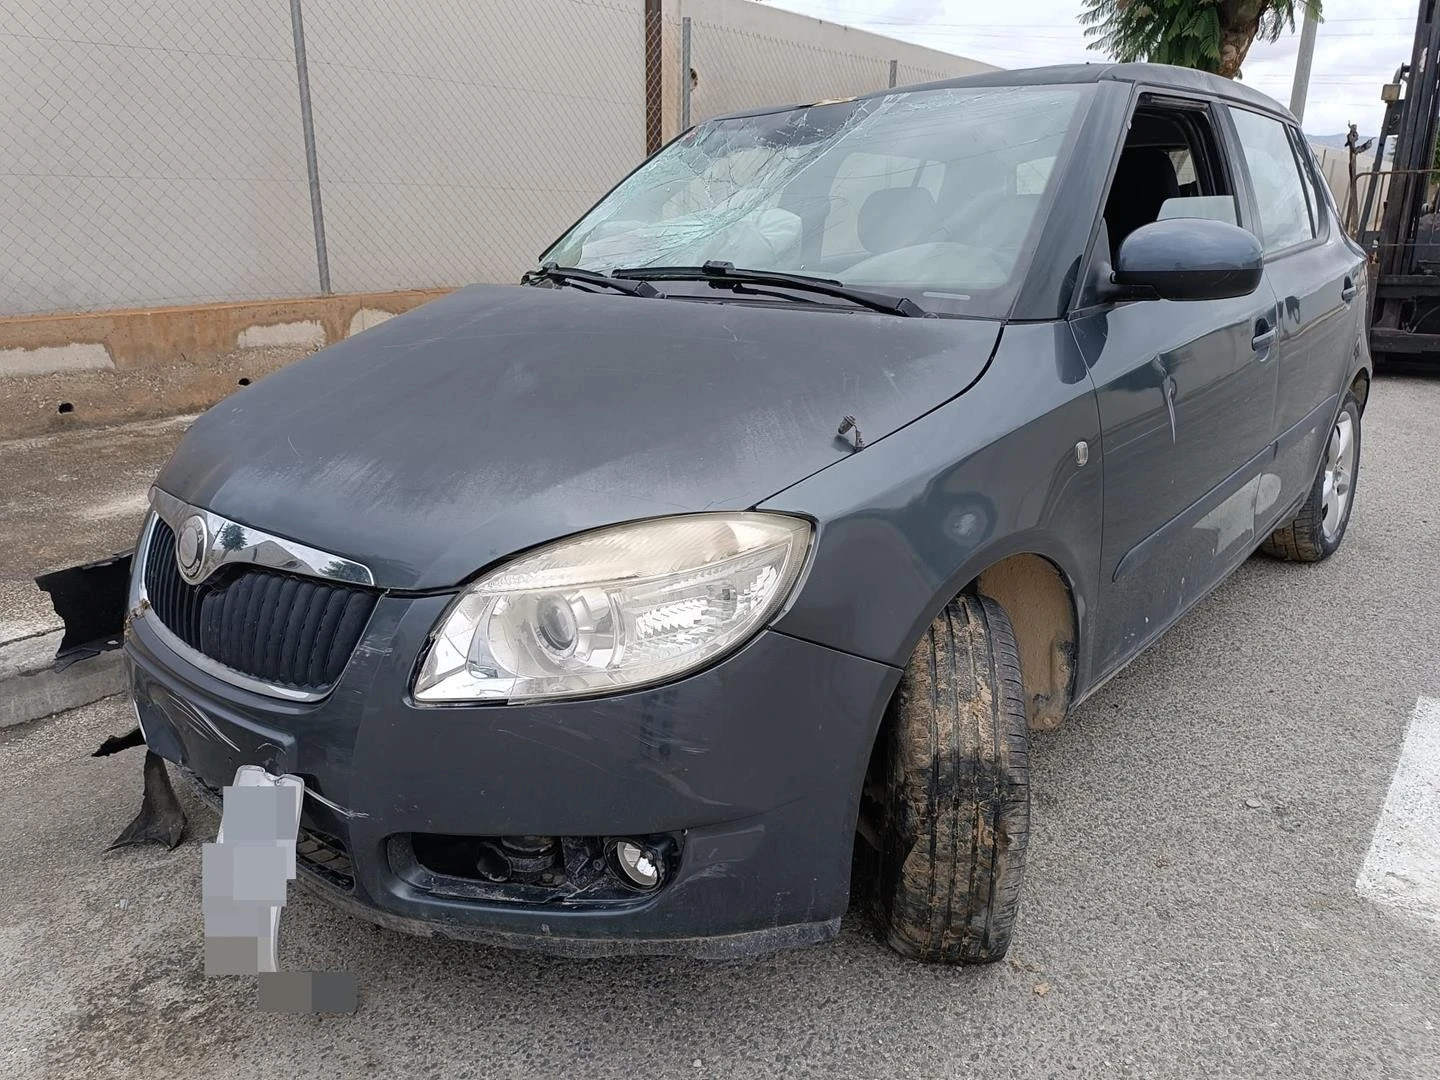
306, 334
30, 687
55, 359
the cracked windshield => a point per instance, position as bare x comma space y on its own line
935, 193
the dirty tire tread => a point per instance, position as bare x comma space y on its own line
1302, 539
957, 769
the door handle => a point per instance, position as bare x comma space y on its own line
1347, 291
1264, 337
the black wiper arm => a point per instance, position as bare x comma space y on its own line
552, 272
720, 274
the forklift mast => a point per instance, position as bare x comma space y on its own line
1405, 250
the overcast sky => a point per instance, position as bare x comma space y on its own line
1358, 46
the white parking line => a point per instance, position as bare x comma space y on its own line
1402, 867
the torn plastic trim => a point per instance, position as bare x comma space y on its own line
90, 600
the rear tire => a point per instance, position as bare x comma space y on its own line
1317, 530
957, 794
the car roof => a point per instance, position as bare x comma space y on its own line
1161, 76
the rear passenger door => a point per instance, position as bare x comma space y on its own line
1313, 274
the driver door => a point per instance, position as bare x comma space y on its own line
1186, 392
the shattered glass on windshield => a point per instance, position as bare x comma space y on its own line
935, 192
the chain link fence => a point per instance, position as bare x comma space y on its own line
455, 139
184, 151
149, 154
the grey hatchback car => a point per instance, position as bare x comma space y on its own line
734, 553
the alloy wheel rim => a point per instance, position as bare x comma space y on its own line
1338, 476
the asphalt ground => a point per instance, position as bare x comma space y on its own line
1190, 906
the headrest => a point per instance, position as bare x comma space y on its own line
1151, 168
896, 217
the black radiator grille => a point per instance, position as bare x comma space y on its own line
290, 631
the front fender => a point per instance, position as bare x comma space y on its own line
907, 522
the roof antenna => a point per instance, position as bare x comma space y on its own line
847, 424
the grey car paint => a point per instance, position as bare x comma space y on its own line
1199, 463
499, 418
909, 521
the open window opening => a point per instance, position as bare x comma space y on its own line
1170, 167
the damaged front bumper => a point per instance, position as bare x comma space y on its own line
499, 823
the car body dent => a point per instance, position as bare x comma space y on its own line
909, 522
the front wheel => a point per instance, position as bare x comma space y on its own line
956, 790
1316, 531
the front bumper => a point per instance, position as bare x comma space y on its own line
753, 766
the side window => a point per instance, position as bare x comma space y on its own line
859, 176
1315, 184
1282, 198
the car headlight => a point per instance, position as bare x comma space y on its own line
614, 609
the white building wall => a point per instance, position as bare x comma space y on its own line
456, 138
747, 54
149, 154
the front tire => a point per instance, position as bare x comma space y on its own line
1316, 531
957, 793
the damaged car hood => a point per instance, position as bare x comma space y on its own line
500, 417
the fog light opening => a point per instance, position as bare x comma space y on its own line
639, 865
491, 863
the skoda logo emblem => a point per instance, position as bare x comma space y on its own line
191, 543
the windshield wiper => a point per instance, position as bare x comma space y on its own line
723, 274
573, 274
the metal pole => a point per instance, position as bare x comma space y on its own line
1373, 186
1302, 65
894, 70
654, 79
1352, 191
1378, 164
685, 73
307, 123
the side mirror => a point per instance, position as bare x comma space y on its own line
1190, 259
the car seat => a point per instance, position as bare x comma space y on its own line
1143, 181
896, 217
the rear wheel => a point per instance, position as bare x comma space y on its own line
1316, 531
956, 813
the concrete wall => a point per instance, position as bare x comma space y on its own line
457, 138
1335, 166
58, 371
154, 153
746, 55
151, 155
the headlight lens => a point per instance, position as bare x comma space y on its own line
614, 609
